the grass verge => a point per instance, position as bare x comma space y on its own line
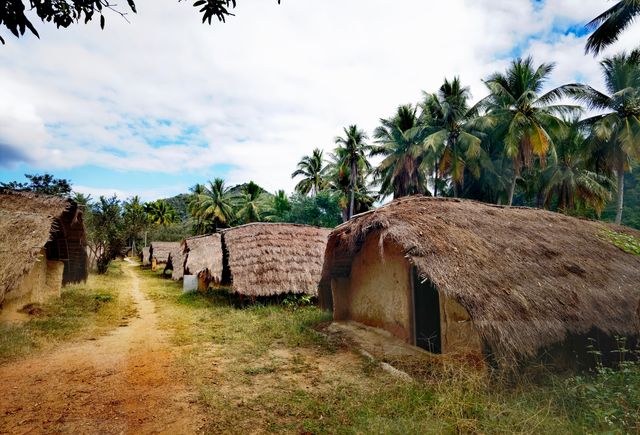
265, 369
83, 311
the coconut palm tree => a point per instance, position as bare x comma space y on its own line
212, 205
161, 213
339, 181
400, 141
250, 203
610, 24
521, 116
314, 172
279, 207
453, 138
351, 153
567, 179
616, 132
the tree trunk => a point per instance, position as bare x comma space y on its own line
512, 190
353, 189
435, 180
620, 202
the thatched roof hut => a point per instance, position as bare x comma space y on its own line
269, 259
145, 257
509, 282
203, 257
43, 245
175, 264
161, 250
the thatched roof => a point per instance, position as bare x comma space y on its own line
27, 223
269, 259
161, 250
204, 254
528, 277
176, 263
145, 257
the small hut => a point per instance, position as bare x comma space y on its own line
204, 259
504, 284
43, 247
266, 259
175, 263
159, 251
145, 257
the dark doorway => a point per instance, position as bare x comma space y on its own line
426, 303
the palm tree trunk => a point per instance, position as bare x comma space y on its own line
512, 190
620, 201
435, 179
353, 189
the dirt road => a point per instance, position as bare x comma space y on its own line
125, 382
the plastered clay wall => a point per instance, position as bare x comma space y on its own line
378, 292
43, 281
457, 330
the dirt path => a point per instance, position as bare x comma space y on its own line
124, 382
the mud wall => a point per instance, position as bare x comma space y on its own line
378, 292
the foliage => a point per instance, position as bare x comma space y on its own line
46, 184
63, 13
172, 232
136, 220
626, 242
212, 206
350, 158
313, 171
161, 213
610, 24
251, 203
322, 210
106, 231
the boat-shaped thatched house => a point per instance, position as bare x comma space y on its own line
504, 284
145, 257
204, 259
267, 259
159, 251
175, 263
43, 247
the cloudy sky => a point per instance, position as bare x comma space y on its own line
156, 105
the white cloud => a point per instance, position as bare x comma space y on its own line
263, 89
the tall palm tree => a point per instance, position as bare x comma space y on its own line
521, 116
161, 213
567, 179
453, 137
400, 141
616, 132
339, 179
213, 205
351, 152
280, 205
136, 219
610, 24
314, 172
250, 203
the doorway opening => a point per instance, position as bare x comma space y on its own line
426, 314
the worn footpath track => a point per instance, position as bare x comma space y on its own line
124, 382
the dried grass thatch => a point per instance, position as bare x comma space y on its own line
145, 256
175, 263
270, 259
161, 250
204, 256
529, 278
27, 222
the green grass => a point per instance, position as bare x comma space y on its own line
626, 242
265, 368
83, 311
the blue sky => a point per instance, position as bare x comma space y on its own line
154, 106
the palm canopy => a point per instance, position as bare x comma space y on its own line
616, 131
522, 116
161, 213
400, 141
567, 180
453, 137
250, 203
313, 171
610, 24
352, 158
212, 205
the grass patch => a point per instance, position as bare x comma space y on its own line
626, 242
83, 311
264, 368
